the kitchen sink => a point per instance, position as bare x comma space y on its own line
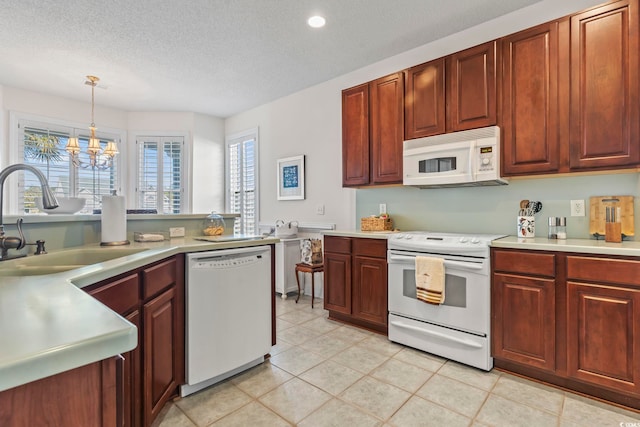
34, 265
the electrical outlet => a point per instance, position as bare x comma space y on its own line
383, 208
577, 208
320, 210
176, 231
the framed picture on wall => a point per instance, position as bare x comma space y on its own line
291, 178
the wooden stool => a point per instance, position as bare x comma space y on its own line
308, 268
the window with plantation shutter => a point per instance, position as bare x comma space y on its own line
160, 181
242, 180
42, 145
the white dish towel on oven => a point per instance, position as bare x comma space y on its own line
430, 279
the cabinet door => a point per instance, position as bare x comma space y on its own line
162, 354
603, 339
523, 320
355, 136
337, 282
530, 99
387, 128
132, 398
471, 92
369, 287
84, 396
604, 107
424, 100
123, 296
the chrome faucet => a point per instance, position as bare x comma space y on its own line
48, 202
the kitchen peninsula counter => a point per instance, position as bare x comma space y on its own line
586, 246
49, 325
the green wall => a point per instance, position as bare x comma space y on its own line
67, 231
494, 209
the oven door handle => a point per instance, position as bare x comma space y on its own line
447, 263
435, 334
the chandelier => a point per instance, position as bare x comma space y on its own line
98, 158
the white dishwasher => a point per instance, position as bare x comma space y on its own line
228, 313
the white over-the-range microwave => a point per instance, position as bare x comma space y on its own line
459, 159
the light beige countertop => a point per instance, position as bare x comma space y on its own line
356, 233
587, 246
49, 325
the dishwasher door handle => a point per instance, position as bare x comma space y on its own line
215, 255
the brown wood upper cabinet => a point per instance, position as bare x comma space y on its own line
372, 132
570, 96
530, 125
457, 92
424, 113
605, 108
471, 88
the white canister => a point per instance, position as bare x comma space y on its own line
526, 226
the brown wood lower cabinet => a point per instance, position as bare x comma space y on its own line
603, 340
152, 298
161, 358
84, 396
337, 278
369, 289
356, 281
570, 320
527, 305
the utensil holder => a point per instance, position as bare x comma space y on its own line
526, 226
613, 232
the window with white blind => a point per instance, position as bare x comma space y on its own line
42, 145
161, 181
242, 180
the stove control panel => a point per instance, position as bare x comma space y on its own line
432, 239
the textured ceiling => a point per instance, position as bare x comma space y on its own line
217, 57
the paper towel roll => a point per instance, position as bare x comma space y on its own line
114, 221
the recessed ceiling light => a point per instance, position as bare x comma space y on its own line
316, 21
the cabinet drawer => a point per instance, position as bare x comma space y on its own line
341, 245
609, 270
525, 262
376, 248
121, 295
158, 277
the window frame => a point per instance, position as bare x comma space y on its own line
17, 123
231, 139
186, 175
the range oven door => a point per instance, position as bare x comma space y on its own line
467, 293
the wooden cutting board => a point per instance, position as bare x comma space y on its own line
597, 213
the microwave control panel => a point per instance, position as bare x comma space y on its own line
486, 158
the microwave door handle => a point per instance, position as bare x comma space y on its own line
447, 263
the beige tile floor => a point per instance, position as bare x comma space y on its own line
323, 373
